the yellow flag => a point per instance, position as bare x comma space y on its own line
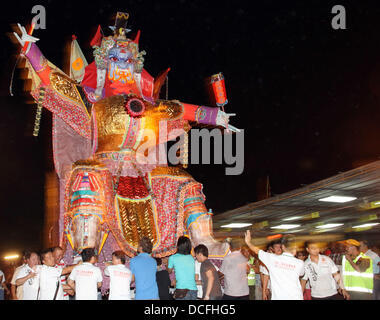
77, 61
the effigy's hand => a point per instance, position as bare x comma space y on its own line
25, 37
223, 118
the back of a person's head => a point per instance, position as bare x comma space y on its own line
120, 255
183, 245
235, 244
288, 241
159, 261
87, 254
365, 243
201, 248
146, 245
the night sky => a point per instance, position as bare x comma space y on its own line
307, 95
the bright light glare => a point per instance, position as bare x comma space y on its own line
339, 199
330, 225
366, 225
286, 226
291, 218
11, 257
236, 225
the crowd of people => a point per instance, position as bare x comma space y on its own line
347, 270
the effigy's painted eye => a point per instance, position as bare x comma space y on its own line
113, 59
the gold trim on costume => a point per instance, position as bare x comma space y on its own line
171, 171
64, 86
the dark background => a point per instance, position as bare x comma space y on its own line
307, 95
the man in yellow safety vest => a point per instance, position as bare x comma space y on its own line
357, 272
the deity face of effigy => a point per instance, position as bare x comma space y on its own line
121, 65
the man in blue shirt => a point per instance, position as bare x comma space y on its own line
144, 269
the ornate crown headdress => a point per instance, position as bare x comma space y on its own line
102, 45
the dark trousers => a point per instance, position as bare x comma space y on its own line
376, 289
334, 297
360, 295
227, 297
252, 290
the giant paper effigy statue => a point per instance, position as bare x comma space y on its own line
110, 196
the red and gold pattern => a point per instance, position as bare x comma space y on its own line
73, 114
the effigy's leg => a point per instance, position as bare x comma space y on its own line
179, 204
87, 194
198, 222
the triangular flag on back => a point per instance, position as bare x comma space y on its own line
97, 39
78, 61
158, 83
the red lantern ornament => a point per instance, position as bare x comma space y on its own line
219, 88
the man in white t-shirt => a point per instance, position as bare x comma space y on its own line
28, 277
51, 287
265, 281
60, 263
16, 291
284, 270
86, 278
323, 275
273, 247
120, 277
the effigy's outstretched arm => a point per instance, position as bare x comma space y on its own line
61, 95
34, 55
207, 115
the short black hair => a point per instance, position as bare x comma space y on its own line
366, 243
87, 254
236, 244
201, 248
146, 244
303, 252
277, 241
26, 253
310, 242
159, 261
120, 255
184, 245
29, 254
44, 252
288, 241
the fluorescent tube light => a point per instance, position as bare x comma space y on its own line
366, 225
291, 218
286, 226
236, 225
338, 199
330, 225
